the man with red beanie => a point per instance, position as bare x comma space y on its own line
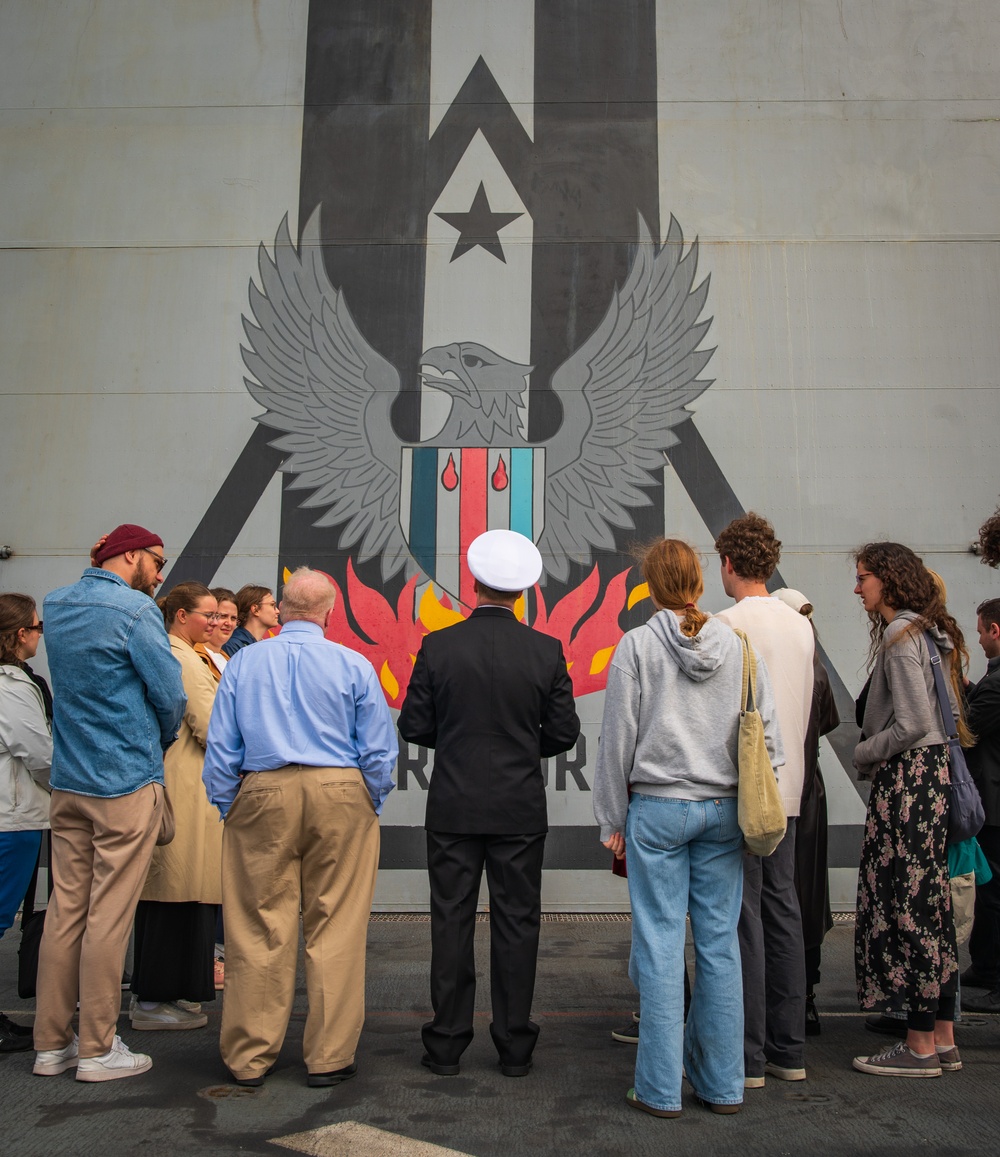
118, 703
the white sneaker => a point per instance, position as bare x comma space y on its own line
167, 1016
189, 1005
119, 1061
52, 1062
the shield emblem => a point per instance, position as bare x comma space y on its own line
451, 494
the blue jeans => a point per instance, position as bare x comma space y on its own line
685, 856
18, 853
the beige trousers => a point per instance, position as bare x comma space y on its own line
101, 850
304, 836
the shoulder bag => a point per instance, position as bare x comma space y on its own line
965, 808
761, 812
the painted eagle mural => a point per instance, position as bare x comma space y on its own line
328, 393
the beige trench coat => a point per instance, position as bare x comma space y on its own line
190, 867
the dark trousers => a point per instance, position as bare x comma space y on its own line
774, 975
984, 943
514, 875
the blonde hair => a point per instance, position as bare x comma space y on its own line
673, 573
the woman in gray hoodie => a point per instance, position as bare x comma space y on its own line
670, 732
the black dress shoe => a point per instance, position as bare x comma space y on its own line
515, 1070
988, 1003
252, 1082
14, 1038
336, 1077
973, 979
889, 1025
437, 1069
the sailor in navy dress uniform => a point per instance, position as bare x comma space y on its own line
493, 698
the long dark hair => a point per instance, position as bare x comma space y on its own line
16, 612
907, 585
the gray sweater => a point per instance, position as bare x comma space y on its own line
902, 708
672, 717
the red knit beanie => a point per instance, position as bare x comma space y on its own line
128, 536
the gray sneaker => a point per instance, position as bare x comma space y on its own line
950, 1061
167, 1016
898, 1061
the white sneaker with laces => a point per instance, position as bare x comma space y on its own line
119, 1061
52, 1062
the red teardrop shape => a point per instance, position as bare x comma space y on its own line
449, 477
500, 476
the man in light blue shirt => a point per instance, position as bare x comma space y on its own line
300, 754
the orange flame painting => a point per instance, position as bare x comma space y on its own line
392, 636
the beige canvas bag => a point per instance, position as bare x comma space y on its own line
761, 812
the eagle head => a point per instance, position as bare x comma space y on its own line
486, 388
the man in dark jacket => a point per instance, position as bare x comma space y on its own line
984, 762
494, 698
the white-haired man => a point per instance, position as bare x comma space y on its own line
300, 753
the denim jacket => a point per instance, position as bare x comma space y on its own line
117, 688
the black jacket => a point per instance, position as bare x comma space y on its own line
983, 700
493, 698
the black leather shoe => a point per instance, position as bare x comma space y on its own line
336, 1077
439, 1070
973, 979
988, 1003
515, 1070
888, 1025
14, 1038
252, 1082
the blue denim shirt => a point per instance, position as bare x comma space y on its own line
117, 691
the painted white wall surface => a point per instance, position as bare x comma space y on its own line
839, 162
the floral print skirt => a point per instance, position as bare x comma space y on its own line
904, 940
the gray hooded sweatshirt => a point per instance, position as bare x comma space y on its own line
672, 717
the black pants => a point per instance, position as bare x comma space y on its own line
514, 875
984, 943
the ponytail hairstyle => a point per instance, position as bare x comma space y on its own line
907, 585
183, 597
16, 613
672, 570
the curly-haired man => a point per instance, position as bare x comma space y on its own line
771, 944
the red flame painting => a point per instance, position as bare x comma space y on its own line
396, 633
499, 478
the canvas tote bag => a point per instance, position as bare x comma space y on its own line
759, 807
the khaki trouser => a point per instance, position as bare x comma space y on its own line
304, 835
101, 850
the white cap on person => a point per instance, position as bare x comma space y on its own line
794, 599
505, 560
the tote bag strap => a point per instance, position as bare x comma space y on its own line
944, 703
749, 673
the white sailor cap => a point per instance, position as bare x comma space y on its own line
505, 560
794, 599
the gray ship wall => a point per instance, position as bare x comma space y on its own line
593, 270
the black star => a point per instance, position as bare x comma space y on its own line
480, 226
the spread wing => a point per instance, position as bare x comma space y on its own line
622, 391
329, 393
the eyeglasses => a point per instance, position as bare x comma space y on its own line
859, 578
35, 627
211, 616
160, 561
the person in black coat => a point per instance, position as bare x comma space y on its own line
493, 698
983, 717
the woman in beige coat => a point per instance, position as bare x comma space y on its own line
175, 919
